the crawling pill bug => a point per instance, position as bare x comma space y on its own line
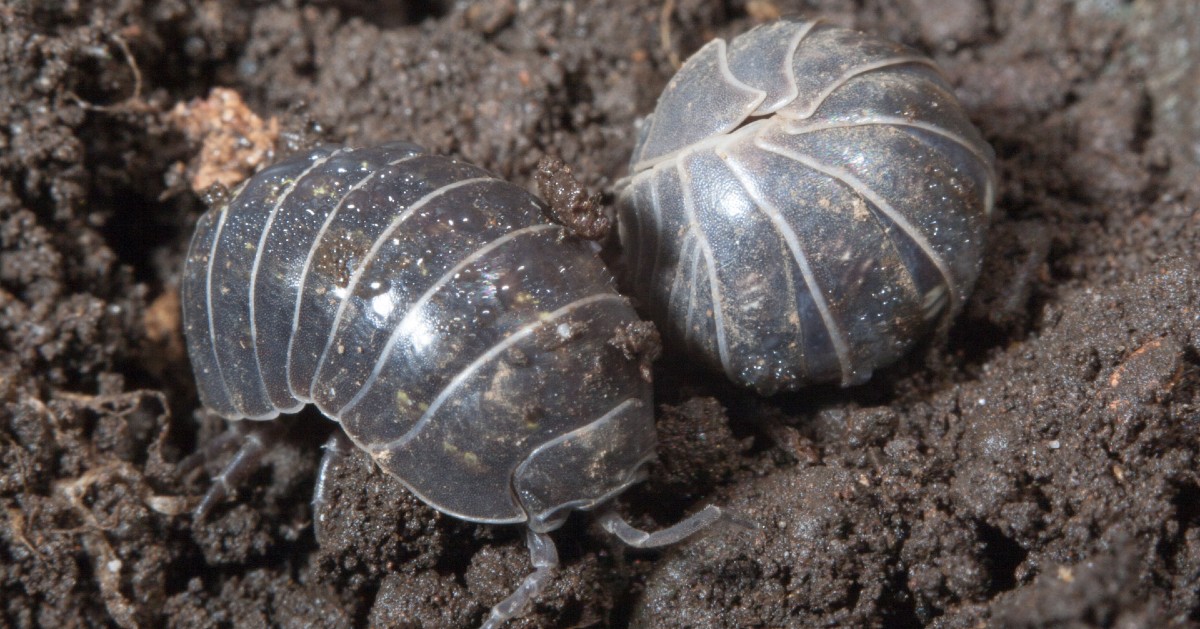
804, 203
457, 336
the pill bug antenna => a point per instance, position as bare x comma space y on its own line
612, 522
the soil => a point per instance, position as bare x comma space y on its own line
1036, 466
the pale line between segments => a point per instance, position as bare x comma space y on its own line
212, 330
312, 252
713, 285
262, 242
837, 336
870, 195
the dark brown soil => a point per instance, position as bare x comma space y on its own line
1037, 467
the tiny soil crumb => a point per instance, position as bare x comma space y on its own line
639, 341
570, 203
233, 141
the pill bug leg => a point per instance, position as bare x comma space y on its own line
544, 557
336, 449
612, 522
208, 450
256, 440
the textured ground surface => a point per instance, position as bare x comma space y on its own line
1037, 468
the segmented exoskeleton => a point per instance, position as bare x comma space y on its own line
803, 204
457, 336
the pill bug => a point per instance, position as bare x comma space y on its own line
457, 336
804, 203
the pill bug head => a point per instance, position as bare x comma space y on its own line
804, 203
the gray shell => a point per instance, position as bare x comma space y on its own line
429, 308
803, 204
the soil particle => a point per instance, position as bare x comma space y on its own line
1036, 466
948, 24
696, 448
405, 600
258, 598
1106, 591
1165, 36
639, 341
233, 142
818, 558
570, 203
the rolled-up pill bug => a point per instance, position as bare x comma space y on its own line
457, 336
804, 203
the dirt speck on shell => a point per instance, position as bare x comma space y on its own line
1036, 467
